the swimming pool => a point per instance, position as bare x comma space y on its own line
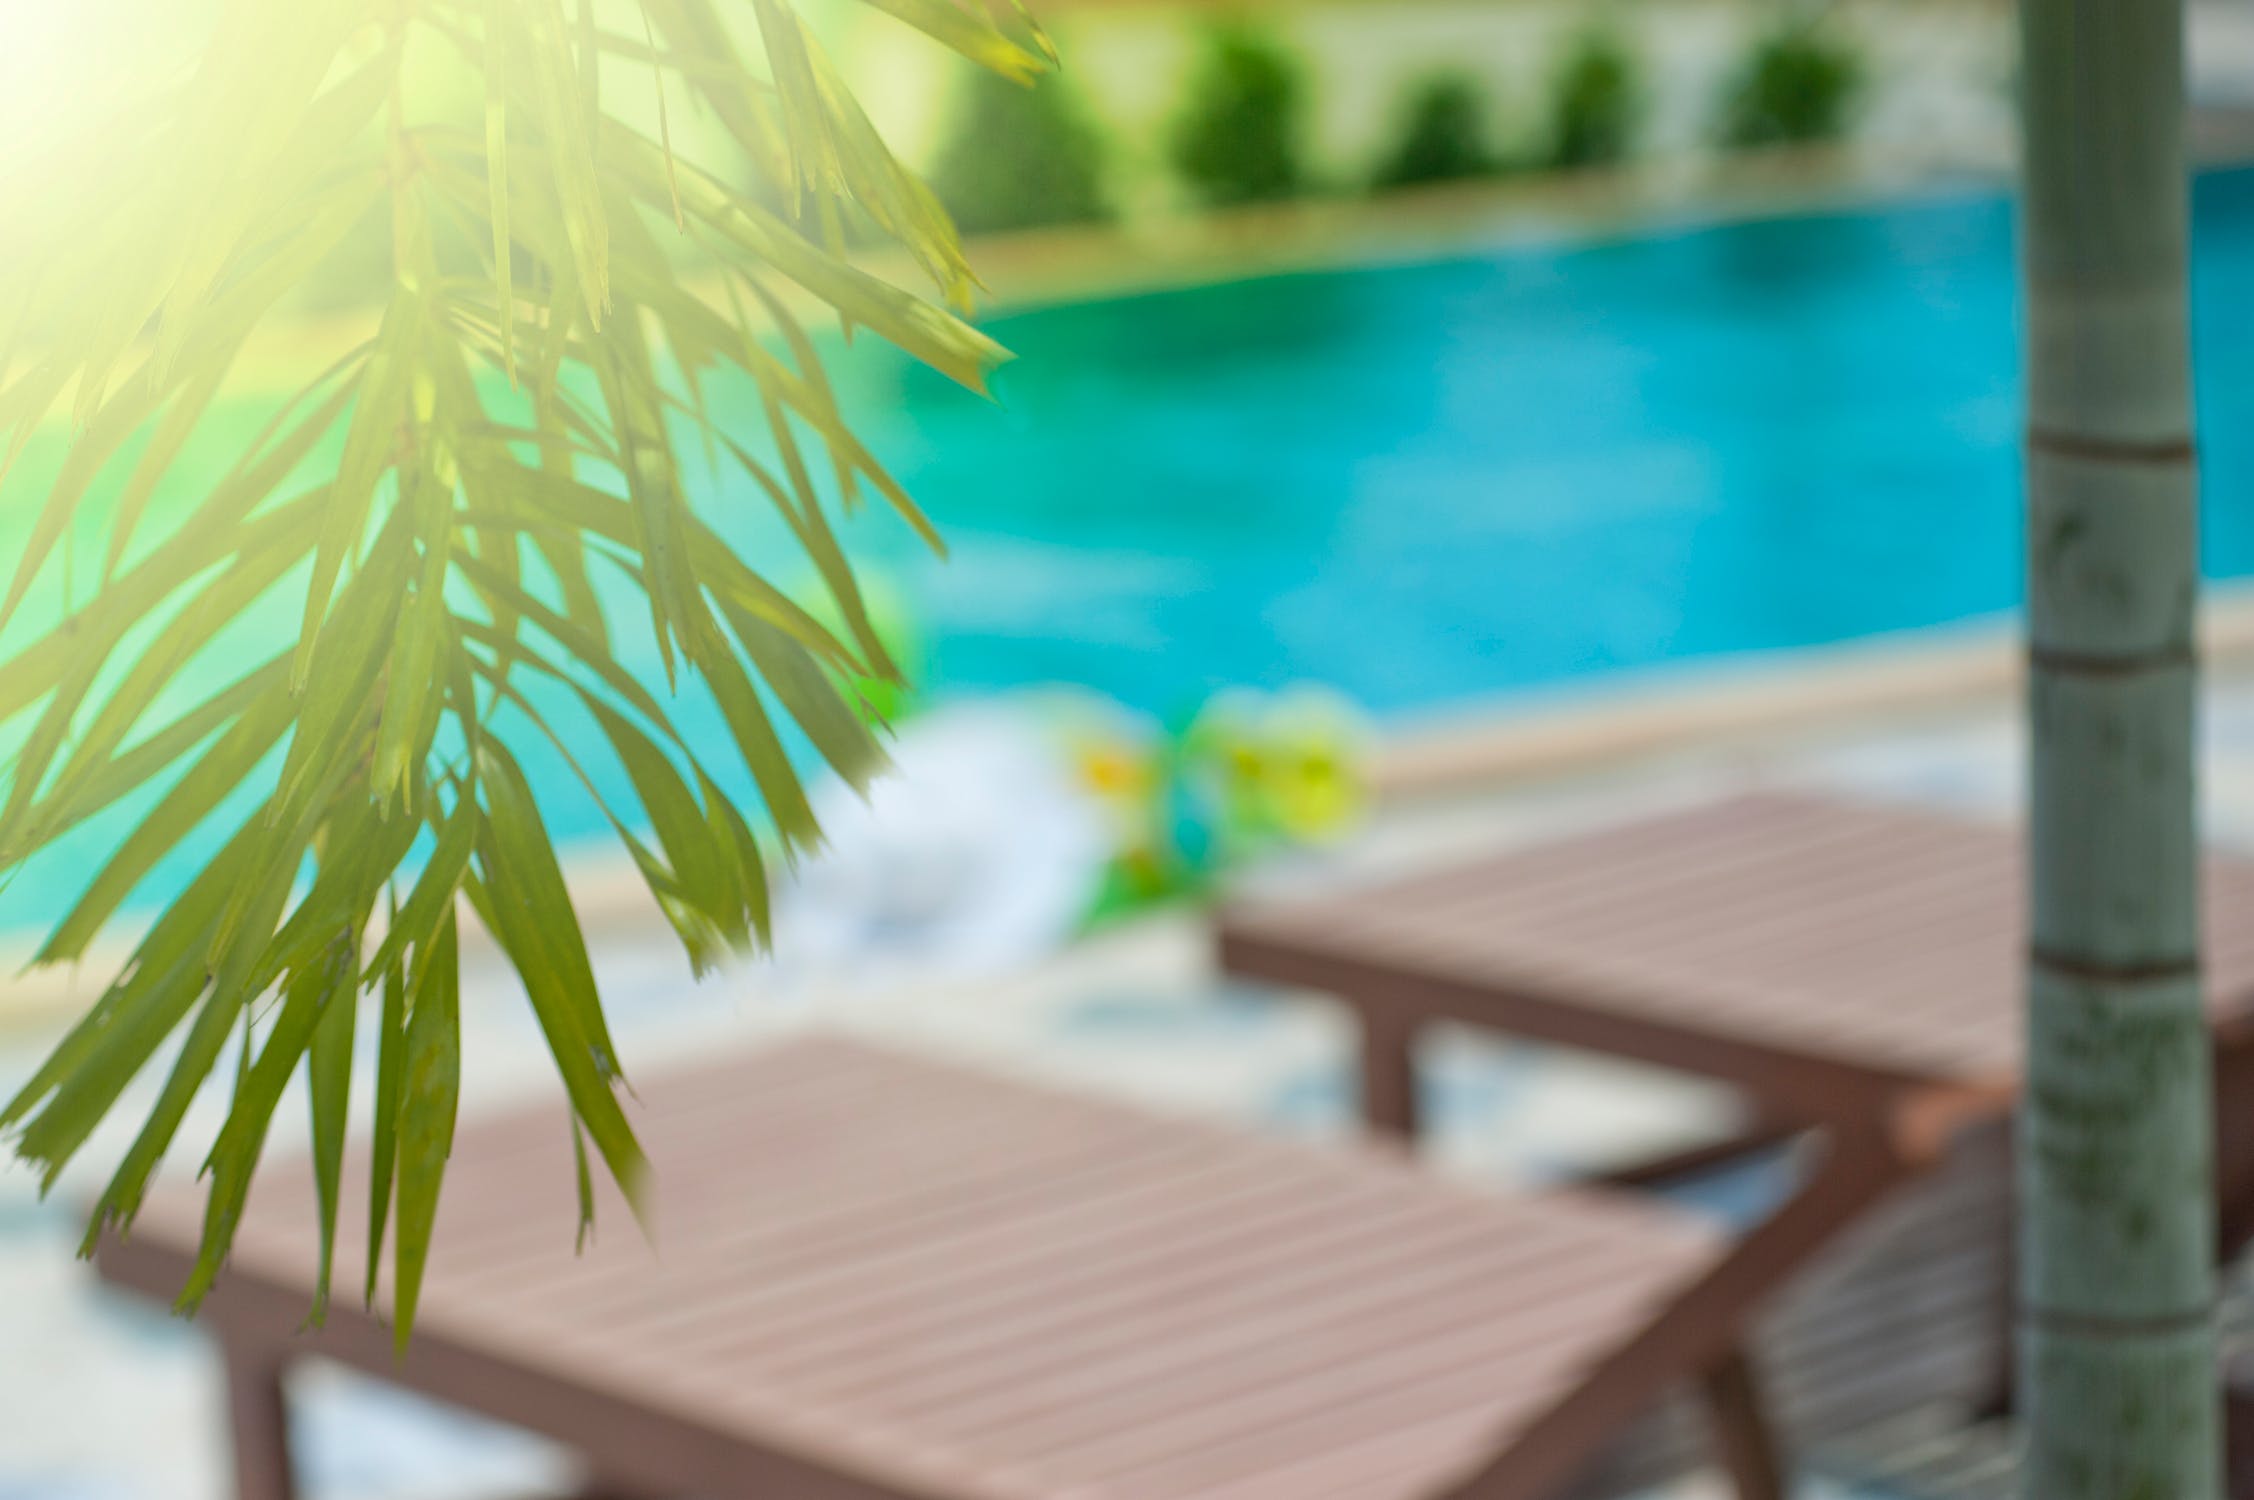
1441, 481
1430, 482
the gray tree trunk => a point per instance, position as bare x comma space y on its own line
2116, 1187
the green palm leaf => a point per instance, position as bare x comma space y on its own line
413, 543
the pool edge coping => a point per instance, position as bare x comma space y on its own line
1690, 705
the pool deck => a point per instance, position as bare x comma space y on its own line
1032, 268
1136, 1012
1633, 716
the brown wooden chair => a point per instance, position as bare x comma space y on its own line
876, 1277
1849, 969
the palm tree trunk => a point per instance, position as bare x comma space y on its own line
2116, 1196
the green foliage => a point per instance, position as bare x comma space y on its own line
1250, 774
1020, 158
1443, 134
1799, 85
1596, 100
427, 516
1238, 137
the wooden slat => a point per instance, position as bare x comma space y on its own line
1138, 1303
1848, 937
1443, 1318
943, 1286
1340, 1385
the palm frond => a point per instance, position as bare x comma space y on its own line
417, 533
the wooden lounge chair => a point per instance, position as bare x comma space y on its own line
882, 1278
1841, 966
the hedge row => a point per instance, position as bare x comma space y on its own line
1018, 158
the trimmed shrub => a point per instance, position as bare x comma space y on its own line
1443, 134
1596, 100
1018, 157
1238, 137
1799, 85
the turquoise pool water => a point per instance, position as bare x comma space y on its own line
1444, 481
1433, 482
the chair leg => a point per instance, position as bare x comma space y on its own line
2000, 1396
258, 1419
2234, 1150
1389, 1076
1743, 1440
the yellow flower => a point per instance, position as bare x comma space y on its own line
1116, 772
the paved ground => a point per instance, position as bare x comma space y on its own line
106, 1401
